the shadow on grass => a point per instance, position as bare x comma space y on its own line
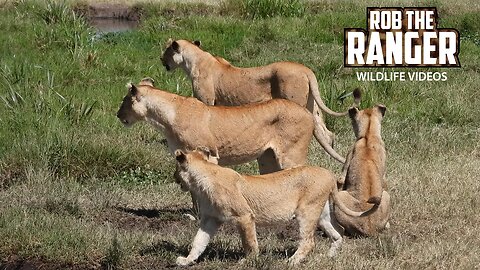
168, 251
140, 219
163, 214
172, 250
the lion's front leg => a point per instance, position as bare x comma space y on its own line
205, 93
208, 228
307, 227
195, 208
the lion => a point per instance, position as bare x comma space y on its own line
216, 82
276, 133
224, 195
363, 182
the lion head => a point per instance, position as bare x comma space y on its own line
133, 107
363, 121
183, 174
172, 56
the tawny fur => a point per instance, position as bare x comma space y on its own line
277, 133
363, 178
226, 196
216, 82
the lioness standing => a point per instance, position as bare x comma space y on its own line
224, 195
277, 133
216, 82
364, 175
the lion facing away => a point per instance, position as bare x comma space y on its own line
224, 196
216, 82
364, 181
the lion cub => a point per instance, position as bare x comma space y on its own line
224, 195
364, 181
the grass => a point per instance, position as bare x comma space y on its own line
77, 190
273, 8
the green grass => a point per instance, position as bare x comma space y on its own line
79, 190
273, 8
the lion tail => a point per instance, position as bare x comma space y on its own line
328, 148
313, 85
339, 203
375, 200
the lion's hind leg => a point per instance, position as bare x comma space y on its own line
384, 209
248, 233
307, 218
327, 223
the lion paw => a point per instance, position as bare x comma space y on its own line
183, 261
190, 217
336, 245
294, 260
332, 253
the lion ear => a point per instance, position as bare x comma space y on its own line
204, 150
352, 112
180, 156
214, 157
382, 109
357, 96
214, 153
169, 42
147, 81
197, 43
132, 89
175, 46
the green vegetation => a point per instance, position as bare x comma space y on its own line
77, 189
272, 8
